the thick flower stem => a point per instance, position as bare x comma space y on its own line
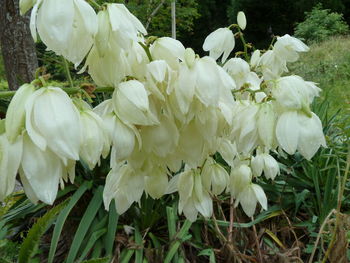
244, 45
70, 91
66, 67
94, 4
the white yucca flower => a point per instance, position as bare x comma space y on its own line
125, 186
52, 121
131, 104
194, 197
66, 27
10, 158
264, 162
15, 115
288, 48
249, 197
94, 136
221, 41
297, 131
168, 49
215, 177
241, 20
41, 171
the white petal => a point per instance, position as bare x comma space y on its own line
287, 131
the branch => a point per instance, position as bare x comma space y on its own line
155, 11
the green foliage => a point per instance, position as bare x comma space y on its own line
328, 64
321, 24
30, 245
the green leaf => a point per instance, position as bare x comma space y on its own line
94, 237
138, 240
98, 260
181, 237
112, 229
31, 243
85, 223
62, 219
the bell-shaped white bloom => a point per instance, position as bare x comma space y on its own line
264, 162
161, 139
168, 49
221, 41
271, 65
238, 69
93, 138
15, 115
193, 196
293, 93
245, 130
241, 20
156, 182
67, 27
132, 105
215, 177
42, 170
125, 26
240, 178
160, 80
25, 5
295, 130
108, 69
249, 197
10, 157
288, 48
227, 150
125, 186
254, 60
266, 124
53, 121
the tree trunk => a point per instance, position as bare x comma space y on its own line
17, 45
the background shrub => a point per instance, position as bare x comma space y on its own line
321, 24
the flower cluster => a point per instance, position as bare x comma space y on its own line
171, 114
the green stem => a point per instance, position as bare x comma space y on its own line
148, 53
69, 77
244, 45
94, 4
70, 91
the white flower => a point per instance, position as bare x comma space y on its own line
287, 48
215, 177
265, 162
15, 115
161, 139
125, 26
53, 121
42, 171
266, 124
240, 178
25, 5
156, 182
295, 130
168, 49
93, 138
193, 197
10, 157
241, 20
271, 65
108, 69
131, 104
249, 197
254, 60
67, 27
125, 186
238, 69
221, 41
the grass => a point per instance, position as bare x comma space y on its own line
328, 64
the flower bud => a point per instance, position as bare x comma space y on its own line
241, 20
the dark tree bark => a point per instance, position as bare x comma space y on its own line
17, 45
